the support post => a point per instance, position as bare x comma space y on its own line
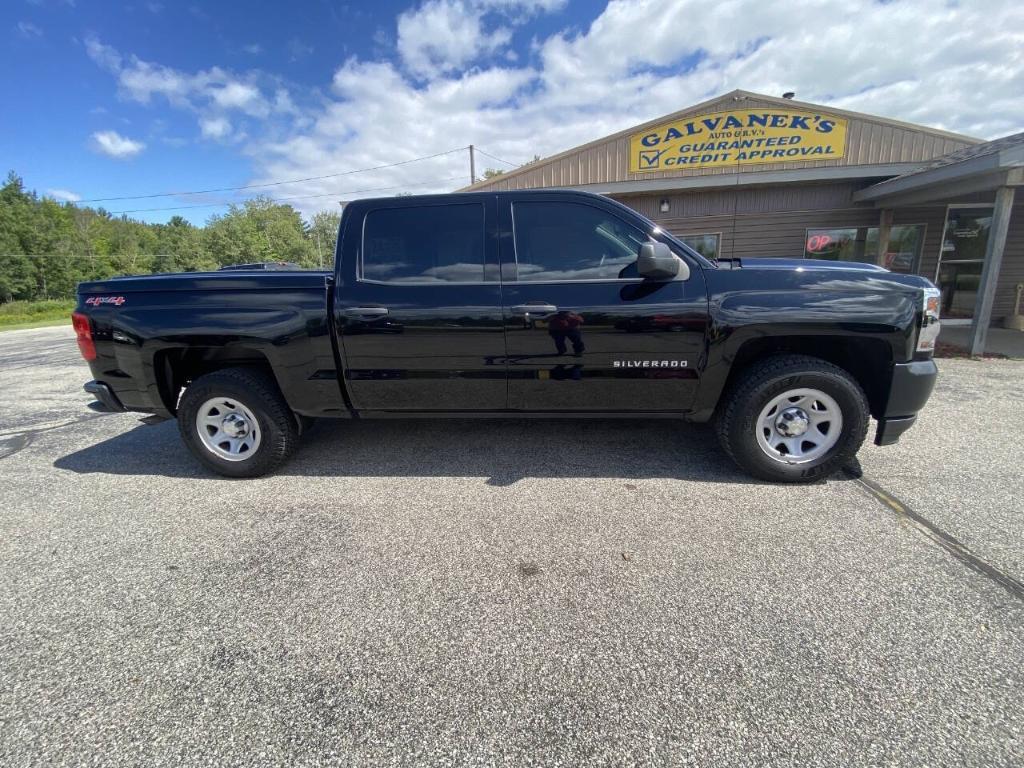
884, 231
860, 243
472, 166
1001, 212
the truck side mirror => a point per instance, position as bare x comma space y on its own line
657, 261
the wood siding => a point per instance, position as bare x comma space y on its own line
759, 221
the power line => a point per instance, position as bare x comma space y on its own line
269, 184
295, 197
506, 162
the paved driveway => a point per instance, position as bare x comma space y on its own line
505, 592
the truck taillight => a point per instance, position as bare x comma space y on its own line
83, 330
930, 321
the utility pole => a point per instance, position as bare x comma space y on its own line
472, 166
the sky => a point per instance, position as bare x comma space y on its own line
129, 99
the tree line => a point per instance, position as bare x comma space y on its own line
47, 247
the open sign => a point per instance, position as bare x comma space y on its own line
818, 242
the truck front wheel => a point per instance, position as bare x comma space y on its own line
236, 422
793, 419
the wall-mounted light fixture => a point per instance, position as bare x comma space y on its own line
663, 205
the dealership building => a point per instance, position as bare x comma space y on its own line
746, 175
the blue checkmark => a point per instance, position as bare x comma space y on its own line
651, 158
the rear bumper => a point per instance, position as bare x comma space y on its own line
105, 395
912, 385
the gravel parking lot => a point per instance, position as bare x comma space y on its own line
525, 593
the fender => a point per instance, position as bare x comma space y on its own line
807, 309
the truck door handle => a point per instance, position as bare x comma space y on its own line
365, 311
533, 309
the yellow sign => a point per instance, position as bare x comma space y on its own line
737, 137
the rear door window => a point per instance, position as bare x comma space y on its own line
424, 244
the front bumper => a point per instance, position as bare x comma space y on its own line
912, 385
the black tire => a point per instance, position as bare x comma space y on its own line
764, 381
258, 393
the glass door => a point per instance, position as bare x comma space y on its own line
964, 241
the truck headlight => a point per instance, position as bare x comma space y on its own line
930, 324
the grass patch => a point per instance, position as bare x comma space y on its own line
30, 314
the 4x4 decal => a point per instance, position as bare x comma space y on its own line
95, 301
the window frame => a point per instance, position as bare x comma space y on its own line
918, 257
515, 245
417, 283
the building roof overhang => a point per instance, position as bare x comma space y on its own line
982, 168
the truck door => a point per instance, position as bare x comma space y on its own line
418, 305
584, 332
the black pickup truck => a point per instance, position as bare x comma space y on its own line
554, 303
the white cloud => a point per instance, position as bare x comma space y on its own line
104, 55
215, 127
28, 30
254, 49
442, 36
141, 81
242, 96
113, 144
64, 195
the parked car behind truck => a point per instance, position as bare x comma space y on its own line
552, 303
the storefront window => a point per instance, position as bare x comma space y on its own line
958, 281
963, 253
966, 235
836, 244
705, 245
861, 244
904, 247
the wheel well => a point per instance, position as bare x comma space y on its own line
175, 368
864, 359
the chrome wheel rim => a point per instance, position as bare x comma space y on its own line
799, 426
228, 429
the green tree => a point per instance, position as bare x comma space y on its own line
323, 235
180, 248
258, 230
47, 248
17, 227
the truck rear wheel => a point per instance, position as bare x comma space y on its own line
793, 419
236, 422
